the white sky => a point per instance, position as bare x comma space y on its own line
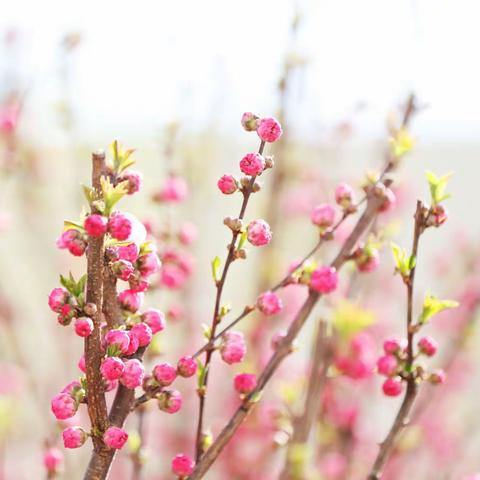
142, 63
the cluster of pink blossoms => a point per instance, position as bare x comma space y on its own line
131, 258
392, 364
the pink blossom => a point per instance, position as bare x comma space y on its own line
95, 225
112, 368
170, 401
269, 129
130, 300
175, 189
123, 269
81, 364
182, 465
172, 276
175, 312
245, 382
155, 319
324, 280
118, 339
387, 365
233, 348
438, 377
57, 299
344, 195
186, 366
428, 346
133, 374
63, 406
250, 121
148, 264
323, 215
52, 459
367, 261
128, 252
119, 226
440, 215
187, 234
394, 345
72, 387
134, 181
359, 361
143, 333
133, 345
74, 437
269, 303
259, 233
164, 374
252, 164
67, 312
73, 241
83, 326
227, 184
392, 387
115, 437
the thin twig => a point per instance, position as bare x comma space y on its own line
401, 419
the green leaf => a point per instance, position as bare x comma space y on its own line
67, 225
438, 186
112, 194
216, 262
201, 372
206, 331
432, 306
242, 240
134, 442
402, 261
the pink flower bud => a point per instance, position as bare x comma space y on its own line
428, 346
388, 201
233, 349
143, 333
115, 437
134, 181
440, 215
174, 190
133, 374
148, 264
112, 368
81, 364
245, 382
252, 164
269, 130
95, 225
437, 377
130, 300
73, 241
133, 345
164, 374
74, 437
227, 184
63, 406
259, 233
119, 226
172, 276
323, 215
187, 234
57, 299
250, 121
344, 195
122, 269
52, 459
367, 261
394, 345
269, 303
324, 280
186, 366
67, 312
155, 319
117, 341
83, 326
170, 401
182, 465
387, 365
128, 252
392, 387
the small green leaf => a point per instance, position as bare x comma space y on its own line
216, 262
67, 225
432, 306
225, 309
134, 442
112, 194
438, 186
206, 331
201, 372
402, 261
242, 240
255, 397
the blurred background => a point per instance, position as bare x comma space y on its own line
172, 79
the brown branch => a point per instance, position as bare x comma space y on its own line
202, 390
97, 407
402, 420
285, 346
